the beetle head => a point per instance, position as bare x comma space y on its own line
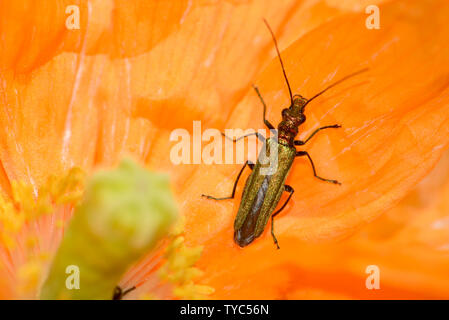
295, 113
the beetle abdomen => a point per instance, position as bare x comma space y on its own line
245, 234
261, 194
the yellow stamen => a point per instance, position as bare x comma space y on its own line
179, 267
25, 206
20, 213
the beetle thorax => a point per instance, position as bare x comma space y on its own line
292, 118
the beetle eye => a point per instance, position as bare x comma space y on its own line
284, 112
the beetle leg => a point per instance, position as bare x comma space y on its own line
267, 123
289, 189
259, 136
251, 165
300, 143
119, 293
305, 153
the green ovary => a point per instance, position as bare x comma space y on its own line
122, 216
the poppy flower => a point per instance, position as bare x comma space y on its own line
75, 101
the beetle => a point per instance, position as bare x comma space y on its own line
262, 192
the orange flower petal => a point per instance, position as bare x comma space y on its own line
68, 100
395, 130
409, 245
394, 121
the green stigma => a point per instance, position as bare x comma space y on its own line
122, 216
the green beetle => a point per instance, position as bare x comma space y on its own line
263, 191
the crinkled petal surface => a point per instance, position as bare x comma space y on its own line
395, 129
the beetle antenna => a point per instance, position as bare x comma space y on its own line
280, 60
334, 84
